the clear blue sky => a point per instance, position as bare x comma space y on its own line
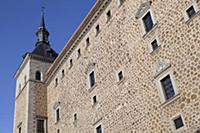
19, 20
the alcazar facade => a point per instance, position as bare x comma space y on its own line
132, 66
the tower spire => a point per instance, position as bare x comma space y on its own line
42, 33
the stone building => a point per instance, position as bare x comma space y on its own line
132, 66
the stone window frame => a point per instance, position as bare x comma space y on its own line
45, 124
142, 26
55, 114
117, 75
173, 124
100, 123
158, 79
41, 75
150, 48
89, 82
186, 17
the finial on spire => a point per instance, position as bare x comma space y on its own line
42, 23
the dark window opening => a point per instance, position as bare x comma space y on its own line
92, 79
87, 42
167, 87
79, 52
38, 75
97, 29
20, 129
120, 75
63, 73
57, 115
71, 63
191, 11
154, 44
99, 129
148, 22
94, 100
108, 14
178, 122
40, 126
75, 117
58, 130
56, 82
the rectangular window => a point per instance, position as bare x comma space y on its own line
148, 22
20, 130
191, 11
92, 79
94, 100
58, 130
108, 14
57, 115
40, 126
120, 75
178, 122
71, 63
154, 45
97, 29
167, 87
99, 129
79, 52
87, 42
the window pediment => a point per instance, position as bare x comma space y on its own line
161, 66
143, 9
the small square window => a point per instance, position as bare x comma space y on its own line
92, 79
120, 76
167, 87
108, 14
99, 129
97, 29
148, 22
178, 122
191, 11
94, 100
154, 44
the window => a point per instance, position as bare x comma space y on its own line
154, 45
94, 100
38, 76
92, 79
70, 63
20, 130
178, 122
167, 86
63, 73
191, 11
75, 117
87, 42
56, 82
99, 129
108, 14
40, 126
97, 29
120, 75
58, 130
148, 22
79, 52
57, 114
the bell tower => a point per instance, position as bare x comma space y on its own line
31, 100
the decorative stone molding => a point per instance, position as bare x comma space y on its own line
161, 66
143, 8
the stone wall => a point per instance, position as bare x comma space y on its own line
134, 104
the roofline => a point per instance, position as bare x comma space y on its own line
71, 41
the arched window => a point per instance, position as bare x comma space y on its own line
38, 76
